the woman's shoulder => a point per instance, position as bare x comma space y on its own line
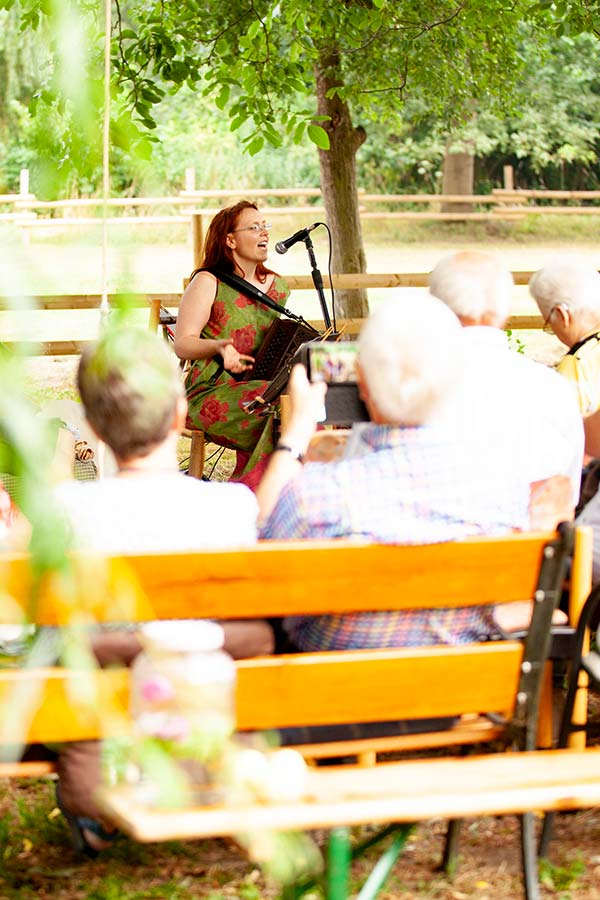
279, 285
203, 276
202, 284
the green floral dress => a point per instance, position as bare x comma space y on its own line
216, 400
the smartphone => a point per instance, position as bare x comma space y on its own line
335, 364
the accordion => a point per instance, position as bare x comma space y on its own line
278, 347
274, 358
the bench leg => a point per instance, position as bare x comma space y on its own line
547, 828
529, 856
450, 858
384, 864
338, 864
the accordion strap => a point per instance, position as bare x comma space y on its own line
250, 290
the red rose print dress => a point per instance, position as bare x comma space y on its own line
216, 400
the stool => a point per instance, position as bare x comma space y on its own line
197, 451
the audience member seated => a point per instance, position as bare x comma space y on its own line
133, 399
513, 400
567, 292
418, 478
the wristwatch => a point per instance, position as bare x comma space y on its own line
289, 448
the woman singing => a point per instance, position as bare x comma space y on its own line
220, 329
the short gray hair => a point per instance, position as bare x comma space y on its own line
569, 280
129, 383
473, 284
410, 354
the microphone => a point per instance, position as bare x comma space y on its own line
284, 246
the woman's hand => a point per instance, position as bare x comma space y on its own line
232, 360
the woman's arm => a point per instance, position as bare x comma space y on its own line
194, 313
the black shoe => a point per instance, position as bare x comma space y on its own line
78, 825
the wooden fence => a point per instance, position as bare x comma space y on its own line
154, 301
193, 207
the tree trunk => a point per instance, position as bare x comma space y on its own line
458, 173
338, 184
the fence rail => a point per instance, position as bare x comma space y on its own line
508, 203
153, 302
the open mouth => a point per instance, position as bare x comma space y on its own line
263, 245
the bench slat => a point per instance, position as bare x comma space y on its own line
369, 686
65, 704
319, 689
298, 578
391, 792
37, 769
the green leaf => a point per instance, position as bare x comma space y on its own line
299, 133
253, 29
319, 137
256, 145
221, 100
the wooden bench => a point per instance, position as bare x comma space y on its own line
502, 678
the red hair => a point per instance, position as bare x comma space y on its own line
217, 255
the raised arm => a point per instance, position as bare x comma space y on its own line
194, 313
306, 404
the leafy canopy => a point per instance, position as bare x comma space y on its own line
257, 58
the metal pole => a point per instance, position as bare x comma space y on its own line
104, 304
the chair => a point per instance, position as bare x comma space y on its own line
585, 669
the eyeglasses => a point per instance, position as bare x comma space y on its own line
256, 228
547, 327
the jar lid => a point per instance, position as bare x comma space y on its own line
184, 635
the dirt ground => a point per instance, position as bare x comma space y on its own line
38, 861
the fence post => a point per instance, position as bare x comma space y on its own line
509, 178
190, 179
24, 183
197, 239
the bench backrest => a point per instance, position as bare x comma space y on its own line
274, 579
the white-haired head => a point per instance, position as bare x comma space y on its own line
571, 282
475, 285
410, 356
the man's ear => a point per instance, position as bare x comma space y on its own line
180, 416
363, 390
566, 317
365, 395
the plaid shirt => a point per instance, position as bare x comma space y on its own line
405, 486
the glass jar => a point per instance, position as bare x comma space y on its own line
15, 644
183, 709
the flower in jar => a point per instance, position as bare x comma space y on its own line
163, 726
157, 689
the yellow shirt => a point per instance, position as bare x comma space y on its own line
582, 368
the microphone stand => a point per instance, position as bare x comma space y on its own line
318, 283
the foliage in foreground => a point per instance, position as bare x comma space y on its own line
546, 123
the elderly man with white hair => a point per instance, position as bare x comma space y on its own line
417, 478
517, 403
567, 292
